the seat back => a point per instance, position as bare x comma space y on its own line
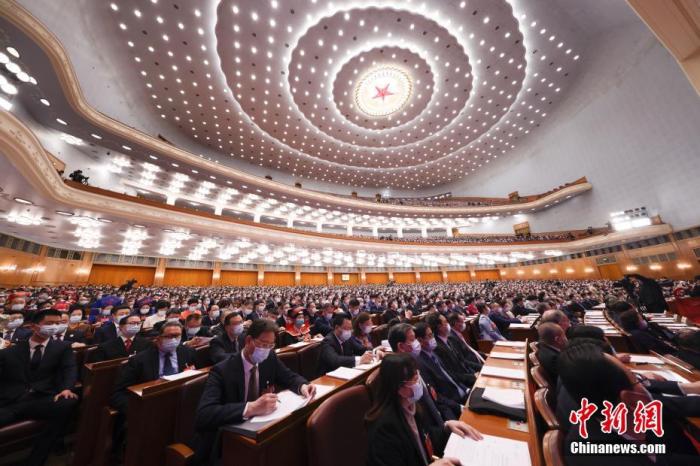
553, 447
534, 346
541, 377
533, 358
190, 393
308, 361
202, 356
545, 409
379, 333
290, 359
337, 425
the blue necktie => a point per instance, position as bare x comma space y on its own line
168, 368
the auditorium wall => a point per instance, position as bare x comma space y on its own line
238, 278
629, 124
104, 274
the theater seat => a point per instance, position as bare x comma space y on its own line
545, 408
290, 359
541, 377
533, 358
335, 432
17, 436
308, 361
189, 394
534, 346
553, 448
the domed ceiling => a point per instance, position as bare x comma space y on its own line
401, 94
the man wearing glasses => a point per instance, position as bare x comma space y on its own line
244, 386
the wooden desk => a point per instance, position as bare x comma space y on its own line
282, 441
151, 419
491, 424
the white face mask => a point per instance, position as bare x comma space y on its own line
168, 345
417, 392
49, 330
215, 314
15, 324
131, 329
345, 335
145, 310
432, 344
74, 319
17, 307
366, 329
192, 331
161, 313
173, 319
259, 355
237, 330
62, 328
415, 348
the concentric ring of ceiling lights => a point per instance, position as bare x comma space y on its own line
267, 83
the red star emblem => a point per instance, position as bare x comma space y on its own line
382, 92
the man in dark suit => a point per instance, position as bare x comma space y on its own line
74, 335
643, 340
552, 340
38, 376
468, 355
322, 324
243, 386
433, 369
195, 333
108, 330
230, 341
446, 353
15, 331
125, 345
166, 357
335, 352
689, 347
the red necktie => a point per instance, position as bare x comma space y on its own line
127, 344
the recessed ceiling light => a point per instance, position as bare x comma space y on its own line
45, 102
96, 136
105, 220
67, 214
23, 201
61, 121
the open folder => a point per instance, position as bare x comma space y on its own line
491, 451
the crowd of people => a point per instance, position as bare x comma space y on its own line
158, 328
480, 239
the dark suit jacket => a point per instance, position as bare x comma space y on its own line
223, 399
75, 336
322, 326
203, 332
645, 342
20, 334
548, 357
115, 349
57, 371
432, 376
106, 331
221, 347
391, 442
467, 357
144, 367
690, 357
453, 366
333, 355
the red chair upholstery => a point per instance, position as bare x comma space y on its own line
690, 308
336, 433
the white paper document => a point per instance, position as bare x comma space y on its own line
289, 402
364, 367
499, 355
668, 375
345, 373
299, 344
491, 451
505, 396
643, 359
503, 372
514, 325
517, 344
599, 306
181, 375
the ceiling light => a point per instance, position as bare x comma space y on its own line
45, 102
23, 201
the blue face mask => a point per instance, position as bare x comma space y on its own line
168, 345
259, 355
299, 322
417, 392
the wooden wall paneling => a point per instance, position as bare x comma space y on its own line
353, 279
187, 277
374, 277
610, 272
456, 276
278, 279
314, 278
239, 277
430, 277
405, 277
488, 275
107, 274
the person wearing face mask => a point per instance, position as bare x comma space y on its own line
436, 372
166, 356
15, 331
171, 315
193, 307
109, 330
361, 328
195, 333
296, 328
17, 304
468, 355
230, 341
243, 386
487, 329
126, 344
400, 431
352, 310
322, 325
212, 317
446, 353
38, 376
586, 371
335, 350
73, 335
161, 308
641, 336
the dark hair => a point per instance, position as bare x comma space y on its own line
193, 316
166, 325
115, 309
124, 319
548, 331
394, 371
586, 372
433, 320
629, 320
260, 326
620, 307
421, 329
453, 318
162, 304
338, 320
397, 334
172, 311
361, 318
229, 316
481, 307
39, 315
354, 303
